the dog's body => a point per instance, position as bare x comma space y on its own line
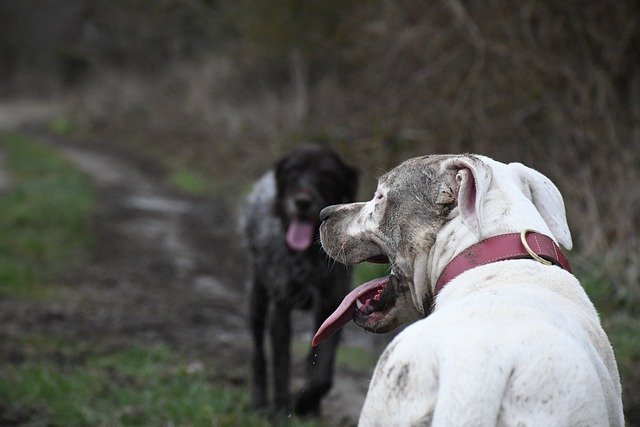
290, 270
507, 343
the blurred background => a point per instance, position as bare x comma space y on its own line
129, 132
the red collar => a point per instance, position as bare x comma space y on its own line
503, 247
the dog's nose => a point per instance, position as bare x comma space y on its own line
327, 212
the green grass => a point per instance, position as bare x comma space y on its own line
44, 217
354, 359
368, 271
190, 181
61, 126
136, 386
140, 385
624, 333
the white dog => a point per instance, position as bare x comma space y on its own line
503, 337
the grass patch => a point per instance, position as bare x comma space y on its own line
348, 357
367, 271
602, 293
355, 359
61, 126
44, 217
623, 332
618, 311
190, 180
135, 386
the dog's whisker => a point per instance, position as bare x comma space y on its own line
333, 261
342, 251
330, 262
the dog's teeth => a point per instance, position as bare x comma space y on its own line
358, 304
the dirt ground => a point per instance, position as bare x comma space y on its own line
167, 268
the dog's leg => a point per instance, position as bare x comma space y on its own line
320, 365
280, 330
258, 316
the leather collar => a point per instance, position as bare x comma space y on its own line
528, 244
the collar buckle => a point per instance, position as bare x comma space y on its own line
523, 239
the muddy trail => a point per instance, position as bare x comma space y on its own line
167, 268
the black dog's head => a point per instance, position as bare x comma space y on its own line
308, 179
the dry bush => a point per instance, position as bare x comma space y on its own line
216, 113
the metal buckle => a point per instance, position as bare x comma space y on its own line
523, 239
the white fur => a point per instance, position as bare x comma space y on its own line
476, 359
367, 219
512, 343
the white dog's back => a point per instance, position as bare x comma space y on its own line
513, 343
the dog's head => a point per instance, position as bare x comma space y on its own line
308, 179
423, 213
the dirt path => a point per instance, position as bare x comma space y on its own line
16, 113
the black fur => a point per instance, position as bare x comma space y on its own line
299, 186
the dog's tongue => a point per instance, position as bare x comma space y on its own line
345, 311
300, 234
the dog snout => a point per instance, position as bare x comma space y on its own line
327, 212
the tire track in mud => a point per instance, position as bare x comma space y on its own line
161, 254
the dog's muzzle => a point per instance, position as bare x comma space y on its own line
327, 212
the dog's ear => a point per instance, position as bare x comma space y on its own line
280, 168
472, 178
547, 199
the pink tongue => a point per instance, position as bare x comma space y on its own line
300, 234
345, 311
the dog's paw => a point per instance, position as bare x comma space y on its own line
307, 406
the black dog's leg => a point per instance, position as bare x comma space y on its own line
280, 328
320, 364
258, 316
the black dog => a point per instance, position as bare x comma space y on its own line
290, 269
